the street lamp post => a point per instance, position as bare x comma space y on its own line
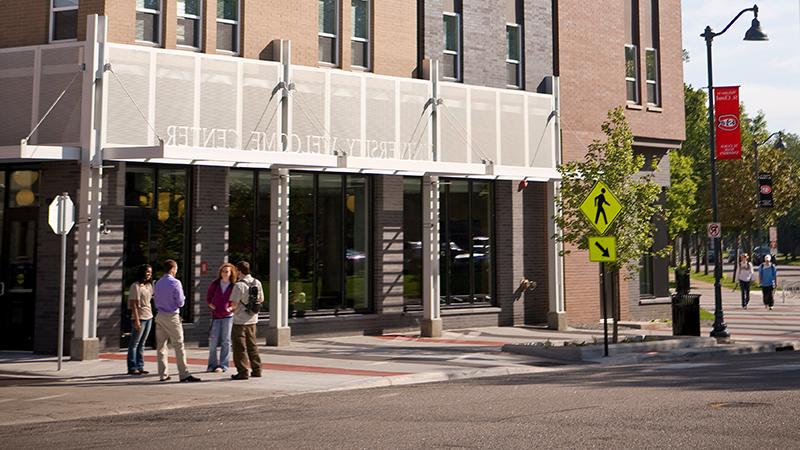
753, 34
778, 145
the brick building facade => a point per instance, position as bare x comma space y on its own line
496, 134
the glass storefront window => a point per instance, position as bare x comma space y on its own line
328, 243
412, 242
248, 223
466, 233
156, 224
241, 196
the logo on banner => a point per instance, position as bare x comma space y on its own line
726, 115
765, 190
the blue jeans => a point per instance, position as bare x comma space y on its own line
220, 336
136, 344
745, 288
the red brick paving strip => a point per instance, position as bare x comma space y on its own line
277, 367
390, 337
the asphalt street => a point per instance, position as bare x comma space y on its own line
747, 401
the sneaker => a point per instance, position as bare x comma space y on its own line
218, 370
239, 376
770, 308
134, 372
166, 378
256, 374
190, 379
143, 372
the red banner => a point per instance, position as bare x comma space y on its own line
726, 119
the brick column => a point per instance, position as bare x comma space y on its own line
55, 178
508, 243
209, 228
537, 248
387, 246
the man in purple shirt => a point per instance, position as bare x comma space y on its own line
169, 329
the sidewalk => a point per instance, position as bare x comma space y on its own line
35, 391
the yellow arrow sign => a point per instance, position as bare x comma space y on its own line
601, 207
603, 249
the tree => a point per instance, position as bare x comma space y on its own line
681, 203
613, 162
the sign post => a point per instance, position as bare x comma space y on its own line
61, 217
601, 207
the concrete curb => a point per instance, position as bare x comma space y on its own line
698, 353
591, 352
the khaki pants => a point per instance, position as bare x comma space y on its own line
169, 330
245, 350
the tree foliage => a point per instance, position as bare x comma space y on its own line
614, 162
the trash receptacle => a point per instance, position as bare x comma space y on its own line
682, 280
686, 314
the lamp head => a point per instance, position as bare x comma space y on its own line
779, 144
755, 33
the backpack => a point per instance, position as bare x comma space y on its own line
252, 305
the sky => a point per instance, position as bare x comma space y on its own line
768, 72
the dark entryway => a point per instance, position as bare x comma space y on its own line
18, 224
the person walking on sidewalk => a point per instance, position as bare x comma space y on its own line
218, 299
768, 279
139, 296
745, 277
169, 299
245, 350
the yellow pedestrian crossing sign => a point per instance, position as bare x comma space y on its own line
601, 207
602, 249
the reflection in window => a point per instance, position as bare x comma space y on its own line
360, 39
328, 242
328, 31
23, 188
63, 20
249, 221
451, 61
631, 11
412, 242
228, 25
156, 224
148, 21
465, 242
188, 30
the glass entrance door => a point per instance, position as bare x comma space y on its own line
18, 266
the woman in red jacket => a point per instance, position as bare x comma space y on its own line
218, 299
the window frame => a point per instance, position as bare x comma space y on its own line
53, 11
367, 40
198, 29
160, 17
458, 50
636, 79
238, 24
335, 36
655, 81
518, 62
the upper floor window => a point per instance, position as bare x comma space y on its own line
651, 62
328, 32
148, 21
63, 20
514, 43
632, 50
189, 23
360, 39
651, 69
228, 26
451, 60
513, 55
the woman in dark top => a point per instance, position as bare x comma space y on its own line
218, 299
